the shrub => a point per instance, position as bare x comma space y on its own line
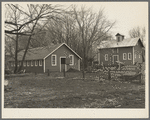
72, 70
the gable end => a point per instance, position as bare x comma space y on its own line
59, 47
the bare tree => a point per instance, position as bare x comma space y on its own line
64, 30
27, 22
80, 29
12, 19
92, 28
138, 32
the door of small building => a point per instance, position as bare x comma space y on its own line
62, 64
115, 58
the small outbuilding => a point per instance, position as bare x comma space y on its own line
56, 58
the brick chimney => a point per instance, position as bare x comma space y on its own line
119, 37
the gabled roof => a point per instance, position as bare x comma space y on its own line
114, 44
42, 52
118, 34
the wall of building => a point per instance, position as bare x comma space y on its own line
28, 68
63, 51
102, 56
112, 52
138, 52
126, 50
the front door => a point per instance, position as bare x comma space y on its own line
115, 59
63, 63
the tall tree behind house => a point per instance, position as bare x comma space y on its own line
20, 21
79, 28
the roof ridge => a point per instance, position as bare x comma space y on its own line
39, 53
114, 44
48, 46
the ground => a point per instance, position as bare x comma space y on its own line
54, 91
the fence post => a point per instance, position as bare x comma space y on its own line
64, 72
109, 75
140, 73
83, 73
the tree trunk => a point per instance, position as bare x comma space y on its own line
16, 54
24, 54
27, 47
83, 61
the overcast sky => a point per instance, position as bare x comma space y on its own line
126, 14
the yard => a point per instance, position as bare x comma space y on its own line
54, 91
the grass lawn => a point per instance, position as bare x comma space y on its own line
54, 91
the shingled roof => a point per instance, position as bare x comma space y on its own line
114, 44
40, 52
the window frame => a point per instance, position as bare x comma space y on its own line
124, 56
24, 63
31, 63
55, 60
106, 57
40, 62
18, 63
36, 62
118, 38
72, 59
28, 63
129, 54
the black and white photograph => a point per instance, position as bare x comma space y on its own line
75, 59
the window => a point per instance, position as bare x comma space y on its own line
129, 56
71, 59
53, 60
139, 55
118, 39
36, 63
18, 63
40, 62
27, 63
135, 55
124, 56
106, 57
24, 63
31, 63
